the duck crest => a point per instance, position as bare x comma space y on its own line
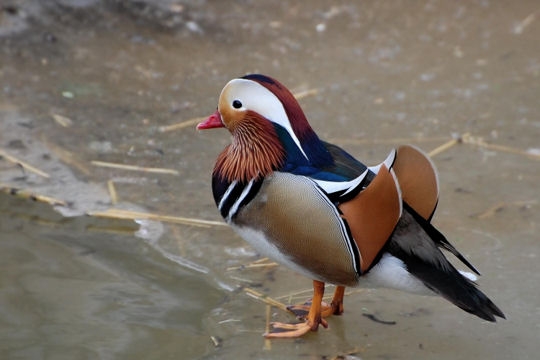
312, 146
254, 153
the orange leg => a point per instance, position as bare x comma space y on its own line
335, 307
314, 318
337, 301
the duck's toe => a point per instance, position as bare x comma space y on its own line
285, 330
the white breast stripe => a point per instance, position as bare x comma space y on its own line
226, 195
237, 203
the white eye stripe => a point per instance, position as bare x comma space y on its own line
253, 96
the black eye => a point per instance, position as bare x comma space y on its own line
237, 104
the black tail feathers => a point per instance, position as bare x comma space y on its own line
458, 290
411, 243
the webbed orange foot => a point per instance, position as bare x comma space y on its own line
284, 330
301, 311
314, 316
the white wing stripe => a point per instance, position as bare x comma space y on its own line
389, 162
356, 182
334, 186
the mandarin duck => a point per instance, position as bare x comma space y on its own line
310, 205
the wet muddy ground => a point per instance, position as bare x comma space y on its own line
85, 81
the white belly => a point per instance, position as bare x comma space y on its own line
258, 240
391, 272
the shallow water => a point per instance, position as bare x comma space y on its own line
385, 73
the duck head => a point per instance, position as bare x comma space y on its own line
269, 130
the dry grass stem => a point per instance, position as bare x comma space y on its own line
181, 125
136, 215
62, 120
266, 299
466, 138
302, 295
518, 29
267, 342
261, 260
299, 294
302, 94
112, 192
393, 141
215, 341
478, 141
24, 165
66, 156
447, 145
492, 210
254, 265
26, 194
243, 280
134, 168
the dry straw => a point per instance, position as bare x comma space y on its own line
24, 165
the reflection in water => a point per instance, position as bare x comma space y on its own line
87, 288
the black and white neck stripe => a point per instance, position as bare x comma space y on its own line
231, 197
